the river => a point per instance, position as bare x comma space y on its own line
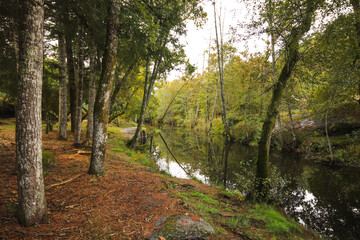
324, 199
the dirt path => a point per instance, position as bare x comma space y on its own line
129, 132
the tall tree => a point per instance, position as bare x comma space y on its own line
62, 87
79, 93
31, 194
101, 108
165, 22
220, 51
68, 24
92, 90
295, 34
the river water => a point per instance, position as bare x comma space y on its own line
324, 199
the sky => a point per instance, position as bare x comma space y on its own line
196, 41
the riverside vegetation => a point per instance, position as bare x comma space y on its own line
117, 205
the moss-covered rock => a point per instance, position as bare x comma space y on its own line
179, 226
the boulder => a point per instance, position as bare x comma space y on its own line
181, 226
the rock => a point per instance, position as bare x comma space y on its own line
180, 226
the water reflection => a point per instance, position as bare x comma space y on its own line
322, 198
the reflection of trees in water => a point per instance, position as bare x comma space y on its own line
326, 200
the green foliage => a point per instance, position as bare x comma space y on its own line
239, 221
273, 220
48, 158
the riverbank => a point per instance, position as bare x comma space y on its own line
128, 200
303, 135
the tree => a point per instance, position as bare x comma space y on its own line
79, 93
31, 194
92, 91
101, 108
220, 51
295, 34
62, 88
69, 32
165, 21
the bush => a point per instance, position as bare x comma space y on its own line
48, 158
273, 220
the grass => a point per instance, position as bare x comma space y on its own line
274, 221
238, 221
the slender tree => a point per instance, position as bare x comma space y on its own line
101, 108
292, 51
92, 91
79, 94
31, 194
68, 25
62, 87
220, 51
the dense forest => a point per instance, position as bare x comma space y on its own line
67, 63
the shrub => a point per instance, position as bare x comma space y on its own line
48, 158
274, 221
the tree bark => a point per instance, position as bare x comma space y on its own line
262, 187
92, 91
101, 108
79, 97
219, 46
31, 195
148, 87
70, 68
62, 88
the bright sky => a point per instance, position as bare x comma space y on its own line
197, 40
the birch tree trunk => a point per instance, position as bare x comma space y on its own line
101, 108
62, 88
92, 91
31, 195
79, 95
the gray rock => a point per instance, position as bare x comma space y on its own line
179, 226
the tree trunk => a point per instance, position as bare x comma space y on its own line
79, 97
70, 68
219, 46
101, 108
332, 162
273, 56
62, 88
148, 87
213, 112
262, 186
292, 124
92, 91
196, 113
31, 195
147, 84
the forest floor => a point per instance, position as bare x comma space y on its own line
123, 204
